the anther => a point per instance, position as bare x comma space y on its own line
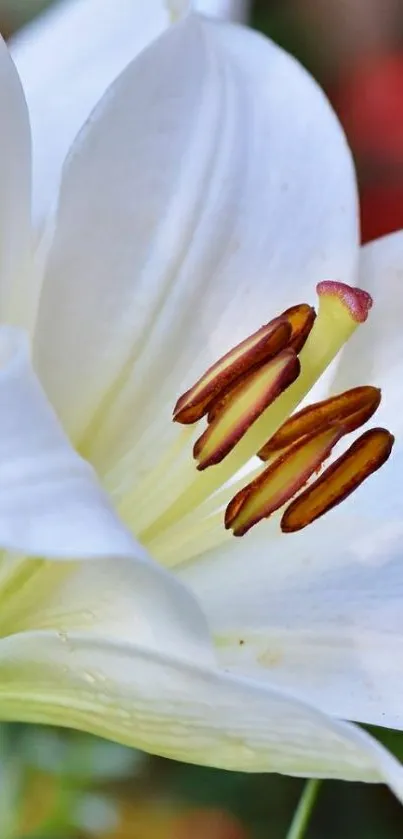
258, 348
242, 406
350, 409
291, 329
301, 319
280, 481
362, 459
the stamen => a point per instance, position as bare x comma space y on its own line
280, 481
237, 430
291, 329
351, 409
240, 408
258, 348
363, 458
301, 319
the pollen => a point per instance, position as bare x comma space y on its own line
349, 410
363, 458
267, 342
280, 481
290, 329
238, 409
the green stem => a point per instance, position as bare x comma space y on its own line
304, 810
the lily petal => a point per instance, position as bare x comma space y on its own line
170, 707
15, 179
129, 599
50, 499
174, 230
318, 612
66, 59
52, 505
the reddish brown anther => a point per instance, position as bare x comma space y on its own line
290, 329
363, 458
280, 481
269, 340
243, 405
350, 409
301, 319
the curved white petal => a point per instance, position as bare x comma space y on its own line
170, 707
66, 59
129, 599
52, 505
50, 499
317, 612
192, 207
15, 181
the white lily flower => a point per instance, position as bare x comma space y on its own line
211, 188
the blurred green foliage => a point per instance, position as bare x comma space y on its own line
62, 785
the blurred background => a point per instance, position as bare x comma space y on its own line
65, 785
355, 50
